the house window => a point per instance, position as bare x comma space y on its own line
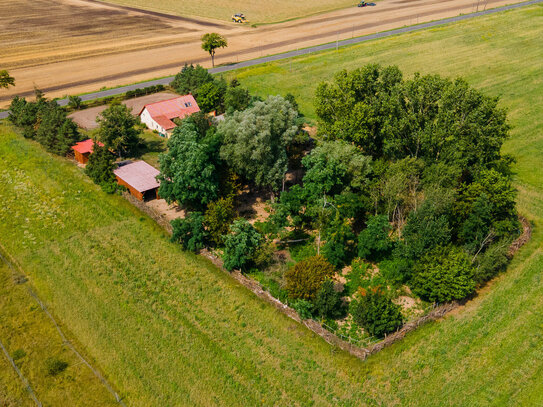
188, 104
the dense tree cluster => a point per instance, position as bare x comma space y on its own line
46, 122
407, 179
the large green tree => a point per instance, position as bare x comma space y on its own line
190, 79
240, 245
426, 117
210, 43
255, 141
187, 172
100, 167
118, 130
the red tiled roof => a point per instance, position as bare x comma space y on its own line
85, 146
172, 108
139, 175
164, 122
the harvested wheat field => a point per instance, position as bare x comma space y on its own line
76, 46
257, 12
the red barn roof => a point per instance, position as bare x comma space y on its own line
139, 175
163, 112
85, 146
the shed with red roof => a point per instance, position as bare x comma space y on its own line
159, 116
83, 150
140, 179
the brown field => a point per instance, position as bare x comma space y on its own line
75, 46
256, 11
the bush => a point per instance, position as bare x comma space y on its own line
305, 278
492, 262
376, 313
54, 366
443, 275
374, 241
328, 302
339, 242
190, 232
218, 216
397, 271
240, 245
359, 272
304, 308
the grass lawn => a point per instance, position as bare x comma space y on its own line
270, 11
168, 328
30, 337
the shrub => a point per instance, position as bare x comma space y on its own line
54, 366
339, 242
374, 241
240, 245
305, 278
304, 308
190, 232
359, 272
218, 216
328, 302
376, 313
492, 262
443, 275
396, 271
18, 354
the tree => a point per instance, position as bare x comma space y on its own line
333, 167
236, 99
427, 117
240, 245
190, 232
117, 130
212, 41
443, 275
100, 167
6, 80
211, 96
376, 312
255, 141
374, 241
339, 242
305, 278
74, 101
328, 302
218, 216
190, 79
187, 173
55, 131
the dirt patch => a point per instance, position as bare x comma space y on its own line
167, 211
86, 118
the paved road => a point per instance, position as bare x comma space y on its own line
317, 48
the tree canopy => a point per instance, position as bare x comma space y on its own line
210, 43
255, 141
117, 130
190, 79
6, 80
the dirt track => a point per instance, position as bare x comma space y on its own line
94, 57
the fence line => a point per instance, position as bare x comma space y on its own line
61, 334
23, 379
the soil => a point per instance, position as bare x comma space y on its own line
74, 46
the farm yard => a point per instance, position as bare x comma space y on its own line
222, 345
53, 46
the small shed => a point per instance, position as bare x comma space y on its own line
140, 179
83, 150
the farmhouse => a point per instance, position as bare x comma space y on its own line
158, 116
83, 150
140, 179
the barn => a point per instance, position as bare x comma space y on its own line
140, 179
83, 150
159, 115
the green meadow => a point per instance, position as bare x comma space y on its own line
169, 328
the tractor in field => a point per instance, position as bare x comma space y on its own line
362, 4
239, 18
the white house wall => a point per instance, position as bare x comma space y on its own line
146, 118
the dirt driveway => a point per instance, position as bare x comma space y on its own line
86, 118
